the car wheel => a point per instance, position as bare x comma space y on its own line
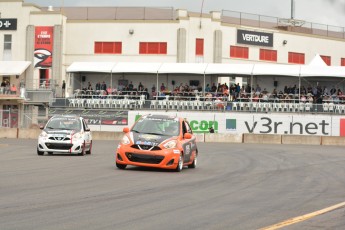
194, 163
83, 150
89, 151
179, 166
121, 166
39, 152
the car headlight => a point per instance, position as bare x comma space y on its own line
125, 140
77, 136
170, 144
43, 134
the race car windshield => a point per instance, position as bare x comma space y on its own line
157, 127
65, 124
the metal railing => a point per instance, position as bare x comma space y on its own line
292, 25
118, 13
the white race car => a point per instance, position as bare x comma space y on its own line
65, 134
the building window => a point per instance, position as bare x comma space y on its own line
342, 62
326, 59
268, 55
108, 47
153, 48
296, 58
7, 42
199, 47
239, 52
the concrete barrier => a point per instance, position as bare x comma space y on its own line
29, 133
249, 138
207, 137
99, 135
301, 140
228, 138
200, 137
333, 141
8, 132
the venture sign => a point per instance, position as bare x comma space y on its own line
254, 38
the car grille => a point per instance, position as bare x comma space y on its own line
59, 138
146, 147
62, 146
144, 158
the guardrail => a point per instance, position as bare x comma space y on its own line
202, 137
292, 25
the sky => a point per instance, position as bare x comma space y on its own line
328, 12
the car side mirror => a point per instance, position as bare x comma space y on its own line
126, 130
187, 136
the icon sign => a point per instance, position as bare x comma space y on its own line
8, 24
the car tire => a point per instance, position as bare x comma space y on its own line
121, 166
40, 152
89, 151
179, 166
194, 163
83, 150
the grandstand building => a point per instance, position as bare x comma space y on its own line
40, 47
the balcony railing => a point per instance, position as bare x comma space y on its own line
292, 25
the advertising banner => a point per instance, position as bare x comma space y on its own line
43, 46
8, 24
96, 117
239, 123
254, 38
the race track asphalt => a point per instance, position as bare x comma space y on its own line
235, 186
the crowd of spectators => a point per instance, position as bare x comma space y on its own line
234, 92
316, 94
102, 90
7, 88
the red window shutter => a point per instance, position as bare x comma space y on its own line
199, 47
246, 52
268, 55
98, 47
232, 51
239, 52
108, 47
302, 59
143, 48
153, 47
275, 55
118, 48
296, 58
326, 59
342, 63
163, 48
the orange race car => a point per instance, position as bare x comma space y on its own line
159, 141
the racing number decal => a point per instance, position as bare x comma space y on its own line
187, 152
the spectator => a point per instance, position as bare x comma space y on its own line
162, 87
258, 89
103, 86
13, 89
63, 88
214, 88
207, 88
140, 87
130, 86
98, 86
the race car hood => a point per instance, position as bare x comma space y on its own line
149, 139
59, 131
